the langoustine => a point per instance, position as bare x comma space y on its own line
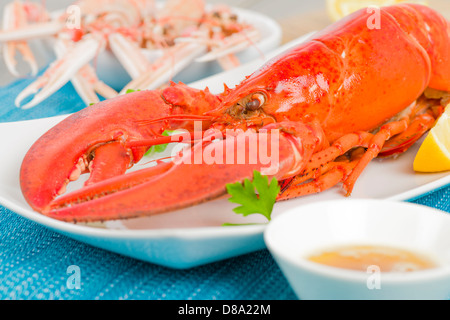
152, 41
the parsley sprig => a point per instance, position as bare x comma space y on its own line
131, 90
254, 197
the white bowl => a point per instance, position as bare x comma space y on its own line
294, 235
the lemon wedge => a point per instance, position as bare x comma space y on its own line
434, 153
338, 9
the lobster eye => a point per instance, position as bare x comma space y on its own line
256, 101
253, 105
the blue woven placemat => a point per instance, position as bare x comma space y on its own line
35, 261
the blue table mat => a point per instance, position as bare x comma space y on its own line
34, 260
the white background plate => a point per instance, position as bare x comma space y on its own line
194, 236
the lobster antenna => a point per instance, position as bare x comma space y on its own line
180, 117
165, 139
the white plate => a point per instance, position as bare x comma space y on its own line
194, 236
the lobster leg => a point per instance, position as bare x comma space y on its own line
321, 162
335, 174
322, 178
386, 132
338, 148
322, 168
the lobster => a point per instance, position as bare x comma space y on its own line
349, 94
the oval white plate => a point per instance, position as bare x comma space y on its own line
195, 236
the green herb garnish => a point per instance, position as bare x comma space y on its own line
254, 197
131, 90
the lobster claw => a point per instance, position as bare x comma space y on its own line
197, 175
98, 139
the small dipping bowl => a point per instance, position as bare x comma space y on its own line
294, 236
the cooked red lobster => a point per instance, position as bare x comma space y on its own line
349, 94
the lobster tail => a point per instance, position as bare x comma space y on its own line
432, 33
